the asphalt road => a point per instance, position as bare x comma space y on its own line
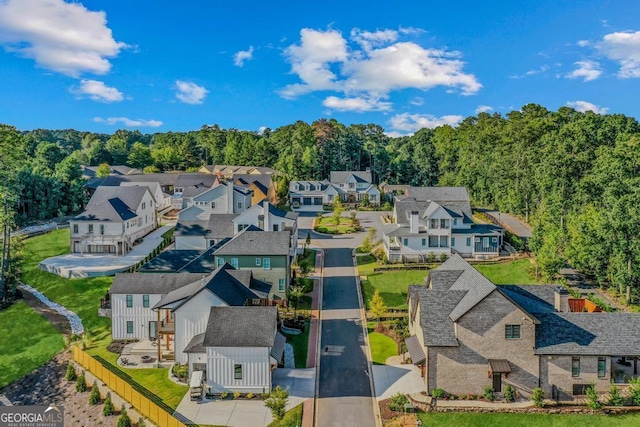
344, 393
511, 223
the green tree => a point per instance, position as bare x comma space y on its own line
295, 293
103, 170
108, 409
71, 372
276, 401
139, 156
94, 396
123, 419
81, 383
377, 306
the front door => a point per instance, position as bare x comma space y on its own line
153, 329
497, 382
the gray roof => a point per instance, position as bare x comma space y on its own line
113, 204
253, 241
218, 226
602, 334
415, 350
187, 260
338, 177
438, 194
90, 171
241, 327
151, 283
195, 179
277, 351
437, 325
319, 187
403, 209
196, 345
235, 169
164, 179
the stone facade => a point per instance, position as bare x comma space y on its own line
556, 373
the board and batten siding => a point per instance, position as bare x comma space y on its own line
256, 369
139, 315
191, 319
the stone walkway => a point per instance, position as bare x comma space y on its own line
74, 320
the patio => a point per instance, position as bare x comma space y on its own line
142, 354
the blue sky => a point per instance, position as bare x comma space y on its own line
102, 65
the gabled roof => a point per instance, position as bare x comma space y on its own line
187, 260
235, 169
435, 307
253, 241
218, 226
439, 194
150, 283
196, 345
337, 177
196, 179
113, 204
90, 171
277, 351
241, 327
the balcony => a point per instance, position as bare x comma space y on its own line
167, 327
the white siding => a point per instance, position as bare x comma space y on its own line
191, 319
139, 315
461, 243
256, 369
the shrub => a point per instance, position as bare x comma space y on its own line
94, 397
614, 396
634, 390
443, 257
141, 423
431, 257
71, 374
488, 393
250, 395
437, 393
398, 401
108, 406
592, 398
224, 395
509, 393
538, 397
236, 395
81, 383
277, 401
124, 420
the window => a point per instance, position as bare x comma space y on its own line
281, 285
424, 242
406, 242
444, 241
90, 228
234, 262
455, 221
129, 300
433, 241
144, 205
512, 332
129, 326
237, 372
275, 227
101, 228
575, 367
266, 263
75, 228
485, 242
373, 198
433, 223
468, 241
239, 205
477, 240
140, 222
145, 301
453, 241
213, 205
494, 239
602, 367
351, 185
444, 223
127, 225
220, 262
258, 261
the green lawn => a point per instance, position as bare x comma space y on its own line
326, 224
300, 345
382, 347
293, 418
309, 259
392, 285
510, 273
527, 420
28, 341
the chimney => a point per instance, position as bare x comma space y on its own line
267, 225
561, 300
230, 207
261, 222
413, 222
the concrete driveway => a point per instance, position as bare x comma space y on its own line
229, 412
392, 379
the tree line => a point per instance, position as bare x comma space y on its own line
572, 175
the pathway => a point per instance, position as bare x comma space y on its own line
510, 222
74, 320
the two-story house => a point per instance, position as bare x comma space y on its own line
435, 221
230, 171
311, 196
357, 185
207, 217
267, 254
163, 200
467, 334
189, 186
267, 217
113, 220
263, 186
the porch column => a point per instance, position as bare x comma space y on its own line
158, 336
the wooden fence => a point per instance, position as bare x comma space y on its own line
140, 398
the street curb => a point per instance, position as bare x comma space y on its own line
316, 391
363, 319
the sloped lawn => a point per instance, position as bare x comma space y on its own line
527, 420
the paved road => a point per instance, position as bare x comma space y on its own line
511, 223
344, 394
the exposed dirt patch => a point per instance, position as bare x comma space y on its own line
394, 418
60, 322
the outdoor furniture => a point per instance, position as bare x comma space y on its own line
145, 359
124, 361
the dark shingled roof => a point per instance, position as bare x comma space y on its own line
150, 283
113, 204
415, 350
338, 177
404, 208
218, 226
172, 261
253, 242
196, 345
435, 307
241, 327
439, 194
277, 351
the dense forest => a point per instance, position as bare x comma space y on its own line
574, 176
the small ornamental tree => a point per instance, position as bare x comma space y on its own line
124, 420
377, 306
108, 408
276, 401
509, 393
307, 242
593, 402
634, 391
538, 397
81, 383
71, 374
295, 293
94, 397
614, 396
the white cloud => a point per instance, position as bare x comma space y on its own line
129, 122
587, 70
584, 106
374, 66
583, 43
261, 130
533, 72
97, 91
417, 101
190, 93
483, 109
395, 134
241, 56
413, 122
356, 104
623, 47
63, 37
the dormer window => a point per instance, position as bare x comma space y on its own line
306, 187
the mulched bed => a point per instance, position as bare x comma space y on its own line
117, 346
394, 418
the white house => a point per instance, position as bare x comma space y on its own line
113, 219
356, 185
239, 349
162, 199
436, 221
268, 218
207, 217
311, 196
190, 185
173, 308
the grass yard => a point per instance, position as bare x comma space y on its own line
300, 345
392, 285
326, 224
28, 341
382, 347
292, 418
510, 273
527, 420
